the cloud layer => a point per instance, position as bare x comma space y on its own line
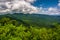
25, 6
50, 11
17, 6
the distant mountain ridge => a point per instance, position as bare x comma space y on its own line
34, 19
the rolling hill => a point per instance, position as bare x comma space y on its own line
34, 19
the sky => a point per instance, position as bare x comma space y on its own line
50, 7
46, 3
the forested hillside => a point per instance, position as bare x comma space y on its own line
15, 27
34, 19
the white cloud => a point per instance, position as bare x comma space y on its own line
18, 6
52, 11
59, 3
31, 1
49, 11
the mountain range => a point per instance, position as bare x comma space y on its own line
34, 19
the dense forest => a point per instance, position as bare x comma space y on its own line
12, 28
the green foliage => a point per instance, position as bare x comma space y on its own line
10, 31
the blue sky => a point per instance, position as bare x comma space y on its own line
46, 3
